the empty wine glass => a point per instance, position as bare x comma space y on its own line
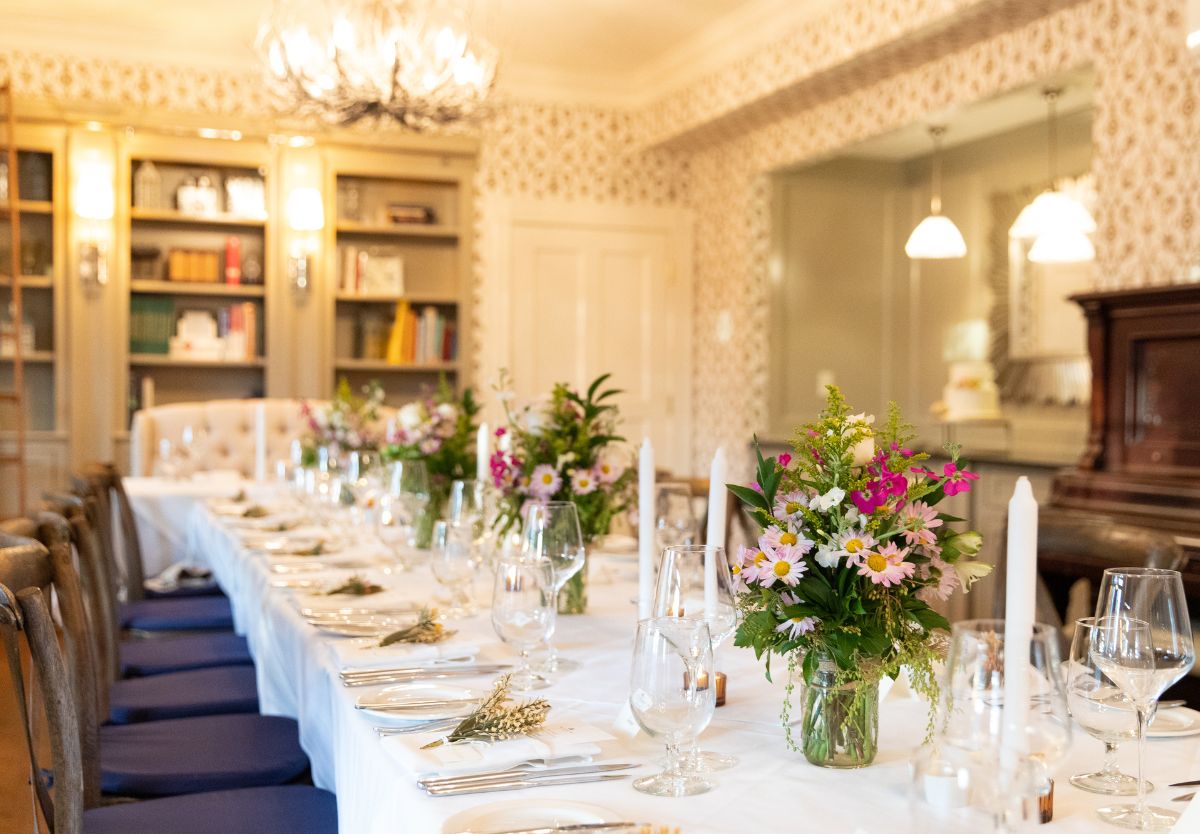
166, 465
1143, 642
395, 531
454, 567
681, 592
675, 521
552, 532
1098, 705
363, 482
669, 698
408, 486
524, 606
985, 769
192, 446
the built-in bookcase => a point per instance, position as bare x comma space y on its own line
398, 260
199, 249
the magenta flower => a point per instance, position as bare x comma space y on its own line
957, 480
785, 459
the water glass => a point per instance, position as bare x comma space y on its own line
408, 486
454, 566
680, 592
1100, 707
552, 532
524, 606
1143, 642
670, 698
395, 531
675, 521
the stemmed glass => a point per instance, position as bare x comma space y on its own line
1098, 705
192, 443
680, 592
552, 532
1143, 642
979, 773
395, 531
167, 463
524, 606
408, 487
454, 566
675, 521
671, 657
363, 482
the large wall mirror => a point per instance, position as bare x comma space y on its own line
848, 306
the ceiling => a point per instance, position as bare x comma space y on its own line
620, 51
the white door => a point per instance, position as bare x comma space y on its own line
581, 291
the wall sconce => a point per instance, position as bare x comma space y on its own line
92, 199
306, 217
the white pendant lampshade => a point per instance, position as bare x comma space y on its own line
936, 237
1062, 246
1052, 211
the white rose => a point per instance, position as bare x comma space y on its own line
411, 416
447, 411
864, 450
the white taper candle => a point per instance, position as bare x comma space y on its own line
482, 454
646, 554
714, 536
1020, 595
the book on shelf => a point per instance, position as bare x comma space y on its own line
151, 324
421, 338
372, 270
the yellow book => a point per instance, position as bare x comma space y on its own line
396, 340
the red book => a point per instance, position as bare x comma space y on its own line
233, 260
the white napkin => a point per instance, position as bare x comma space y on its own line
555, 741
366, 653
380, 601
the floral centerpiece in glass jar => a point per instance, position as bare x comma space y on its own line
851, 555
348, 423
565, 448
440, 430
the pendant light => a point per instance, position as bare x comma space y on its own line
936, 237
1056, 222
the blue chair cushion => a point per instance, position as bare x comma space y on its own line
290, 809
217, 691
191, 755
141, 658
200, 589
183, 614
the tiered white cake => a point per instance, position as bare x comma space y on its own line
971, 393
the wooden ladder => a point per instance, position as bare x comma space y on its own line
15, 397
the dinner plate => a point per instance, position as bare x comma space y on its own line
1173, 723
526, 813
462, 701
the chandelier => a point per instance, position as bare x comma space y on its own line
347, 61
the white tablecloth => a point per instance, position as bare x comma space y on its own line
771, 790
161, 509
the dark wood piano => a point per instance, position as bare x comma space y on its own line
1141, 466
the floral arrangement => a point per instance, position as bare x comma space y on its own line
565, 448
852, 553
439, 429
350, 423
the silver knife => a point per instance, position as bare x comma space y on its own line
376, 671
406, 705
571, 827
502, 775
522, 783
425, 674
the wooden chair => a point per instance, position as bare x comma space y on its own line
74, 808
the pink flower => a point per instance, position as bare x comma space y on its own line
583, 482
885, 565
947, 580
918, 521
784, 460
797, 626
777, 537
957, 480
544, 481
789, 506
500, 432
785, 564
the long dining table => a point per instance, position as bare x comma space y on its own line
771, 789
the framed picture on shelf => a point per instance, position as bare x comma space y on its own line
399, 214
382, 271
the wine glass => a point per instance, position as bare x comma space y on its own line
524, 606
363, 482
166, 465
680, 592
675, 522
454, 567
408, 486
670, 698
1142, 662
552, 532
1098, 705
985, 769
192, 445
395, 531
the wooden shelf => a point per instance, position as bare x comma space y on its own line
435, 231
177, 218
219, 290
389, 298
162, 360
381, 365
32, 357
30, 282
29, 207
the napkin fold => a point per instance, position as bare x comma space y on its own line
367, 653
555, 741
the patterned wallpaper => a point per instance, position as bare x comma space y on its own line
1147, 164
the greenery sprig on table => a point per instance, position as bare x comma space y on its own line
356, 586
495, 719
426, 629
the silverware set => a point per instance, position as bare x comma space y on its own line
434, 726
521, 776
434, 671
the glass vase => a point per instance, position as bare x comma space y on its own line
572, 599
840, 720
